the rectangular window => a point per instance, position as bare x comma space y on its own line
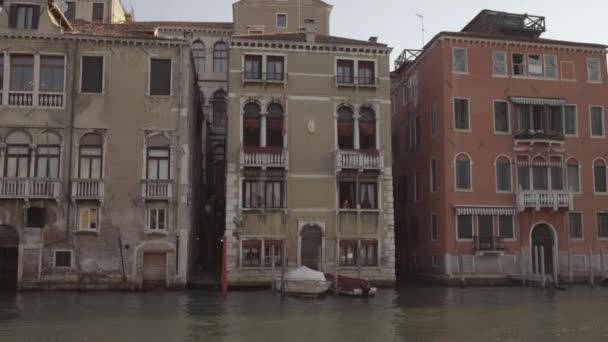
24, 17
575, 225
253, 67
70, 13
1, 74
63, 259
434, 120
501, 117
345, 71
275, 68
158, 163
157, 219
459, 60
160, 76
273, 250
550, 66
416, 186
535, 66
433, 175
92, 74
434, 228
98, 12
500, 63
367, 73
348, 195
574, 183
523, 175
22, 73
17, 161
506, 227
540, 178
90, 162
369, 253
35, 217
47, 161
273, 194
251, 195
557, 178
252, 253
281, 20
518, 62
503, 176
263, 194
599, 175
52, 73
465, 227
461, 114
463, 175
602, 225
597, 121
594, 70
368, 195
348, 252
89, 219
570, 120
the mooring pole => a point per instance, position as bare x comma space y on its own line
283, 266
591, 280
555, 266
523, 267
272, 285
542, 266
603, 273
571, 274
461, 269
225, 266
536, 265
335, 284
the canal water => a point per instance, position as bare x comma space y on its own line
409, 314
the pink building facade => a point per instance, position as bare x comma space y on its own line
501, 154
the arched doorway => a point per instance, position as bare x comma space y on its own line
9, 257
543, 236
311, 243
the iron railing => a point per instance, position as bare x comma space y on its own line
489, 243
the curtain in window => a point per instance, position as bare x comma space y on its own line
17, 161
47, 162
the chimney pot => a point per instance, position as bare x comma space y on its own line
373, 39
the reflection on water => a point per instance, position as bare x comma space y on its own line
410, 314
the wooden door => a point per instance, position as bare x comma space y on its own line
155, 270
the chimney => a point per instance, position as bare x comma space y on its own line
311, 31
373, 39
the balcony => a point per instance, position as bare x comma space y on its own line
545, 199
264, 157
29, 188
264, 77
361, 82
489, 244
532, 137
50, 100
156, 189
359, 160
88, 189
21, 98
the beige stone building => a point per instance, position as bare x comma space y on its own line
308, 147
96, 132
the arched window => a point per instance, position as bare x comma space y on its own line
599, 176
463, 173
17, 162
158, 155
540, 174
574, 179
274, 126
220, 57
346, 123
219, 109
47, 155
252, 123
198, 53
90, 157
367, 129
503, 175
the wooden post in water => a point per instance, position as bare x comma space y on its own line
603, 273
523, 267
335, 284
461, 269
591, 280
542, 267
570, 266
536, 266
225, 266
555, 266
272, 284
283, 266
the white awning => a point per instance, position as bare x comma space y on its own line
481, 210
541, 164
538, 101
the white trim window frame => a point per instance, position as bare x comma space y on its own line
498, 64
159, 58
523, 65
103, 73
465, 239
604, 215
594, 70
595, 185
550, 62
513, 228
4, 82
280, 14
603, 124
434, 227
460, 67
470, 171
433, 175
535, 66
581, 226
575, 134
63, 251
578, 167
454, 117
91, 220
507, 118
157, 219
497, 175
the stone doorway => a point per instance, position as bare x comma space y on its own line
543, 236
154, 270
311, 244
9, 258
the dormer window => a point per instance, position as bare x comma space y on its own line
24, 17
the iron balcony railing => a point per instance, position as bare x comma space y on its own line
489, 243
268, 77
359, 160
544, 199
361, 81
88, 189
264, 158
30, 188
539, 135
156, 189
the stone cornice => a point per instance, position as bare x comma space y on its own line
97, 39
237, 43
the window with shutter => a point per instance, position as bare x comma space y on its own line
92, 74
24, 17
160, 76
98, 12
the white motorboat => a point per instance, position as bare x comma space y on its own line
303, 281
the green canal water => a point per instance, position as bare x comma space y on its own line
408, 314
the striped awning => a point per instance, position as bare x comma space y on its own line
481, 210
538, 101
540, 164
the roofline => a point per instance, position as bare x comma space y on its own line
362, 45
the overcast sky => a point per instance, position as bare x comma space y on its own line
395, 21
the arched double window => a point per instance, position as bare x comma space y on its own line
252, 124
47, 155
274, 126
346, 128
158, 156
367, 129
198, 53
220, 57
219, 109
17, 160
463, 172
90, 162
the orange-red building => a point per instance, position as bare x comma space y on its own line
501, 154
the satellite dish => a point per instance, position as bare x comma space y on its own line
62, 5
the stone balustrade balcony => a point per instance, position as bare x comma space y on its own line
88, 189
152, 189
264, 157
359, 160
545, 200
30, 188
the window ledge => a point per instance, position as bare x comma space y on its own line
87, 232
156, 232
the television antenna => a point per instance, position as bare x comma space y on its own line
421, 17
